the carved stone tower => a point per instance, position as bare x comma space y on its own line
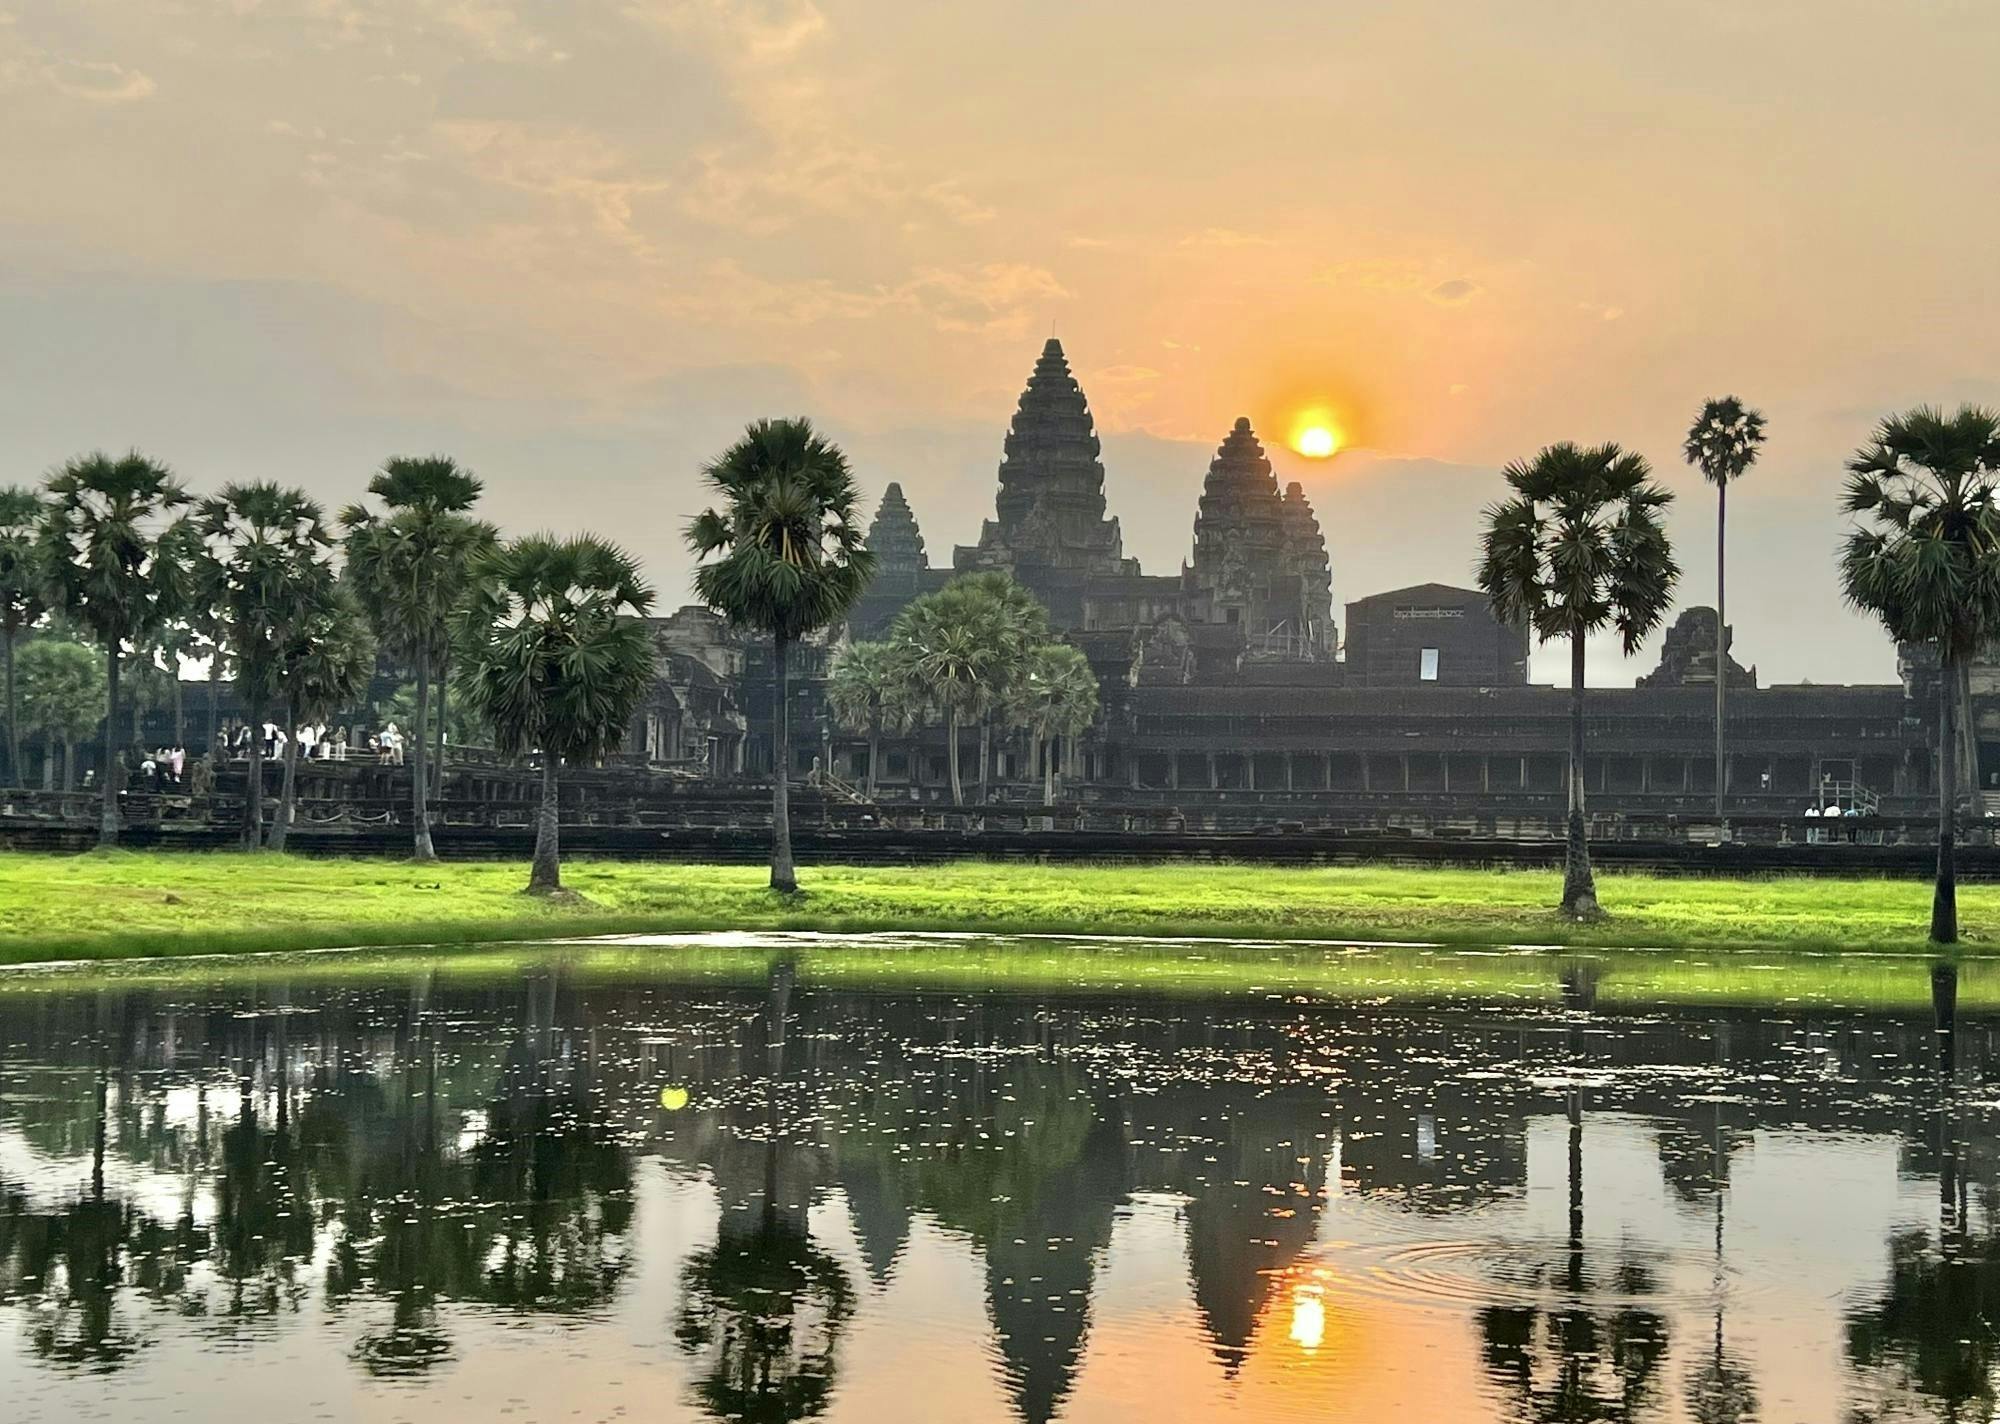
1259, 556
893, 537
1051, 502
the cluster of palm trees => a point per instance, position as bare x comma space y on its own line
543, 638
1578, 547
977, 653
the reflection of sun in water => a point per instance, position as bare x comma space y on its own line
1308, 1315
1316, 441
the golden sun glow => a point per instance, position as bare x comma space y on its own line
1316, 441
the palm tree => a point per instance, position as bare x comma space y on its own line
23, 595
871, 690
968, 646
266, 553
1924, 558
1018, 624
791, 561
1576, 548
1057, 697
1722, 443
950, 653
556, 657
114, 539
410, 567
62, 696
328, 661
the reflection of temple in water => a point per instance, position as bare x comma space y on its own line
395, 1157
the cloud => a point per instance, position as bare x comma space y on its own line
1454, 293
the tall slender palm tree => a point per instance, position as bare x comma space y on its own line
114, 540
950, 651
23, 596
328, 661
1924, 558
871, 690
1018, 624
1057, 698
785, 556
266, 556
1578, 547
1723, 443
409, 566
555, 655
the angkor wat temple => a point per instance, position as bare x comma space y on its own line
1224, 684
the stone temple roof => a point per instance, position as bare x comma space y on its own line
1051, 503
893, 537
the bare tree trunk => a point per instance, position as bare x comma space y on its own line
1721, 645
49, 762
180, 704
443, 698
253, 784
419, 781
1045, 753
874, 755
951, 757
985, 757
14, 776
1944, 899
1579, 899
107, 826
545, 871
281, 824
784, 876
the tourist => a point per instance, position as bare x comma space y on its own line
308, 736
177, 759
339, 751
271, 739
392, 744
242, 741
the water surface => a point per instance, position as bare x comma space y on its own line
775, 1179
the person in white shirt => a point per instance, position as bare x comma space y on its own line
308, 739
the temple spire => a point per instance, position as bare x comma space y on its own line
893, 536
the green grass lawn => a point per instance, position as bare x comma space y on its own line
123, 904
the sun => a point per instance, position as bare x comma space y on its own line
1317, 442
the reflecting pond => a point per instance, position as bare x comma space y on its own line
778, 1178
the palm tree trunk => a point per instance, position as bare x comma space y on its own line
985, 756
14, 777
1721, 645
545, 871
419, 781
180, 706
951, 757
443, 696
214, 697
281, 824
253, 784
107, 825
1944, 899
48, 762
874, 755
1579, 899
783, 875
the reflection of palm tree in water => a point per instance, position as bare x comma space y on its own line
1935, 1331
1720, 1391
765, 1305
1565, 1361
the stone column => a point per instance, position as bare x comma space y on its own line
1291, 781
1213, 784
1249, 771
1406, 771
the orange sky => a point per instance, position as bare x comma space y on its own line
581, 243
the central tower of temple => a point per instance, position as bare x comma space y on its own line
1051, 504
